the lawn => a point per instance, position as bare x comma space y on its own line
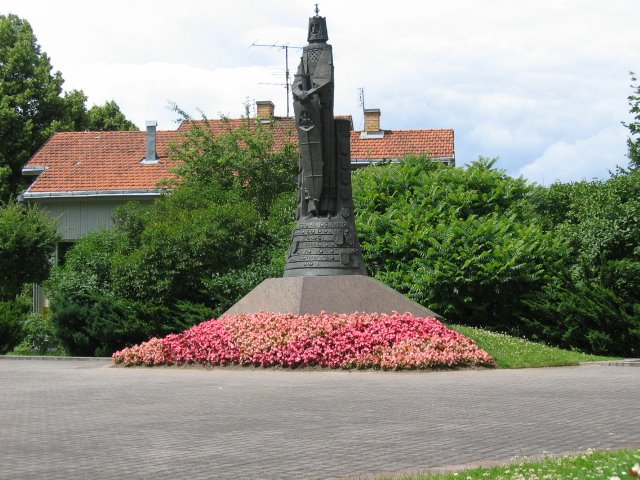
512, 352
605, 465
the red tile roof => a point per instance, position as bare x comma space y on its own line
396, 144
111, 161
99, 161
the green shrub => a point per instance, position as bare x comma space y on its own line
462, 242
12, 317
88, 266
221, 230
94, 325
590, 318
183, 244
28, 239
593, 304
39, 336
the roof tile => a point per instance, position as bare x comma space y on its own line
400, 143
87, 161
111, 161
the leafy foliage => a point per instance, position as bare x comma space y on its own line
33, 105
217, 234
96, 325
242, 161
461, 242
633, 142
12, 316
87, 268
186, 239
39, 335
594, 304
28, 240
107, 117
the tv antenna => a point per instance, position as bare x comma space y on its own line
361, 99
286, 63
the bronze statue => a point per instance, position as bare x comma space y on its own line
324, 241
313, 106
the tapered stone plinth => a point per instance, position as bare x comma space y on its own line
331, 294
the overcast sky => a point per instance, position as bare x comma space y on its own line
541, 84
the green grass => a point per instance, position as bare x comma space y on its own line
590, 465
512, 352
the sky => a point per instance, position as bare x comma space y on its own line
542, 84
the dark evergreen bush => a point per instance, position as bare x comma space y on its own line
594, 303
12, 317
98, 325
588, 317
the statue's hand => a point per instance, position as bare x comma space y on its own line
302, 95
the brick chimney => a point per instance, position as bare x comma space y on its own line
372, 120
264, 110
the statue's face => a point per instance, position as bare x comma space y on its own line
317, 30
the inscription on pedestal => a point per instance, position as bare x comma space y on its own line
324, 245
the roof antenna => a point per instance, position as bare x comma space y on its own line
286, 48
361, 99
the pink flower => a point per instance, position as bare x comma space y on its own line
357, 340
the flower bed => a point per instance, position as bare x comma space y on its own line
397, 341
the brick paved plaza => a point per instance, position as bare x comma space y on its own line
83, 419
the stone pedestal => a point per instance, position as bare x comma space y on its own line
331, 294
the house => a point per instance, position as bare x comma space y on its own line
373, 144
80, 178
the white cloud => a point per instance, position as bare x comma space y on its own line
515, 79
585, 159
147, 89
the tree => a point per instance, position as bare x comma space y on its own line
33, 105
242, 160
28, 239
108, 117
633, 142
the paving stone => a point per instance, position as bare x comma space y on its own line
85, 419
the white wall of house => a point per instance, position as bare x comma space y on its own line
81, 215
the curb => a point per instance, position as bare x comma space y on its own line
54, 358
627, 362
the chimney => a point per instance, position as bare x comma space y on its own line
264, 110
152, 154
372, 120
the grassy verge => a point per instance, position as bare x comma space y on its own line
605, 465
35, 353
512, 352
